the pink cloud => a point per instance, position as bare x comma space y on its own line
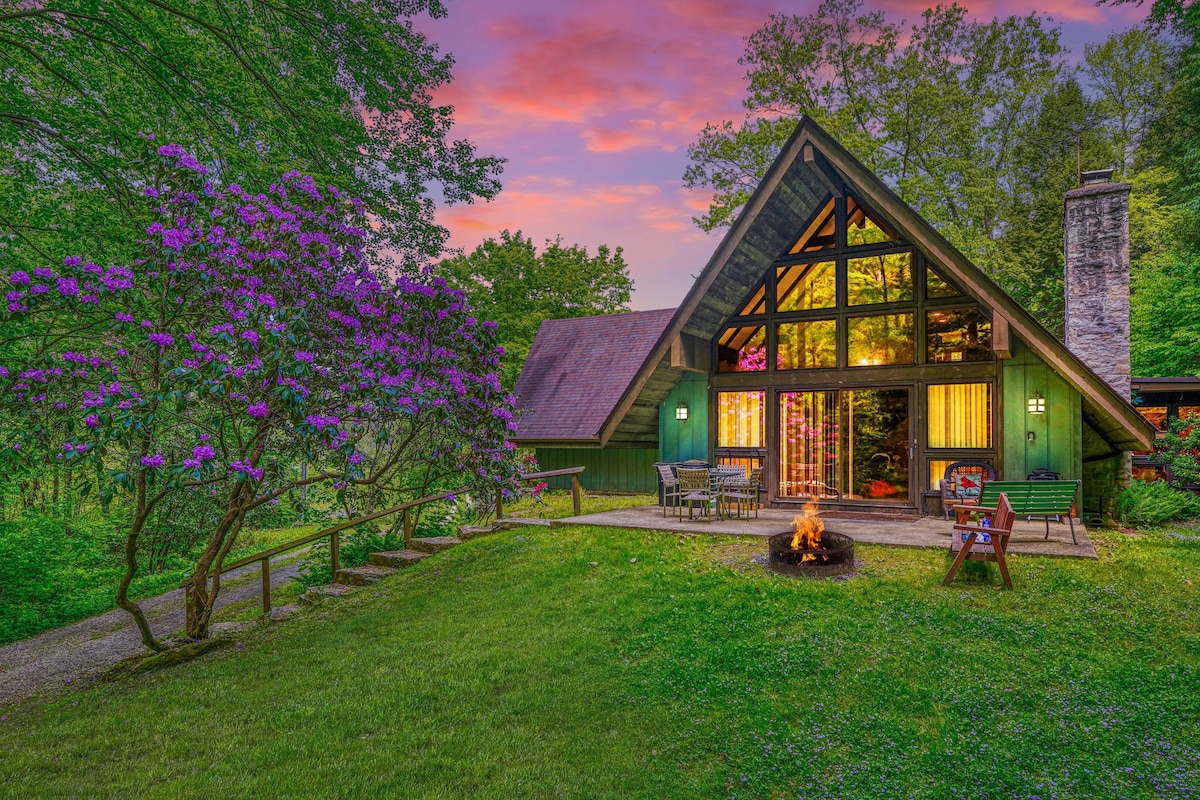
594, 105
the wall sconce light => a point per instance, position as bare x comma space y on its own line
1037, 404
681, 411
1031, 437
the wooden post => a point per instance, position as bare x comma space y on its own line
266, 580
187, 603
575, 493
335, 544
407, 529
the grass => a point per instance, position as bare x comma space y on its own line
556, 504
675, 667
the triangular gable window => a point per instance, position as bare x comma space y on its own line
937, 286
863, 226
820, 233
757, 304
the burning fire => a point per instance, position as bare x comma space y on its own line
807, 533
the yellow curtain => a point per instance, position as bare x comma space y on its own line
740, 419
960, 415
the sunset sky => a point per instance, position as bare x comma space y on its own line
594, 105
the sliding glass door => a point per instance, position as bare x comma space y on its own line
877, 445
808, 444
849, 444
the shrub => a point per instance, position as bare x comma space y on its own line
1155, 503
356, 547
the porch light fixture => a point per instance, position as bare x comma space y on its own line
1037, 404
681, 411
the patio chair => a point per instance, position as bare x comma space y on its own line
984, 543
696, 486
964, 481
744, 490
670, 485
727, 476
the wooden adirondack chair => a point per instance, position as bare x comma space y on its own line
969, 540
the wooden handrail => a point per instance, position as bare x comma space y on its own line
554, 473
576, 487
321, 534
264, 558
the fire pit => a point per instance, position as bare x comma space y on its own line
810, 550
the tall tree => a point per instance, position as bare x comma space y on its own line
510, 282
251, 337
1131, 73
338, 90
980, 126
1025, 254
934, 116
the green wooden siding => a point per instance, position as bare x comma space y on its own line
1058, 442
619, 469
679, 440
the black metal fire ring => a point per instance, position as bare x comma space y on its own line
834, 556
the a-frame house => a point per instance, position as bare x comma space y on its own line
839, 342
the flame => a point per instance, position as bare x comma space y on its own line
807, 530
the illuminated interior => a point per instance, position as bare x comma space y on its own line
829, 308
740, 419
959, 415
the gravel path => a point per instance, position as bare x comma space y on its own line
84, 650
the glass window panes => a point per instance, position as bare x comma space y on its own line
884, 278
806, 345
800, 287
740, 419
880, 339
1187, 412
742, 349
960, 415
864, 226
877, 446
1155, 415
937, 472
757, 304
808, 444
936, 286
957, 334
820, 233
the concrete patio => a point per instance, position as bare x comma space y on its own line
1028, 536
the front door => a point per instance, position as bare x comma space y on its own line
846, 445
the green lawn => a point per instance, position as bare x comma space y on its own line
509, 667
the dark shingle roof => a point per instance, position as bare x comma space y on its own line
579, 368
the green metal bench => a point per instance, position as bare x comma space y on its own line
1044, 499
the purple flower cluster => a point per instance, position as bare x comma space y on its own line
253, 287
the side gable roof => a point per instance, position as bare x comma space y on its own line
787, 195
577, 372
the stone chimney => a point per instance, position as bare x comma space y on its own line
1096, 232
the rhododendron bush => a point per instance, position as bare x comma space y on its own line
250, 339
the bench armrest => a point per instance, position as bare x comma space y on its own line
980, 509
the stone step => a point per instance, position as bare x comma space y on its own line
316, 594
363, 576
397, 558
434, 544
474, 531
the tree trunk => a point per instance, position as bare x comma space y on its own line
131, 568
